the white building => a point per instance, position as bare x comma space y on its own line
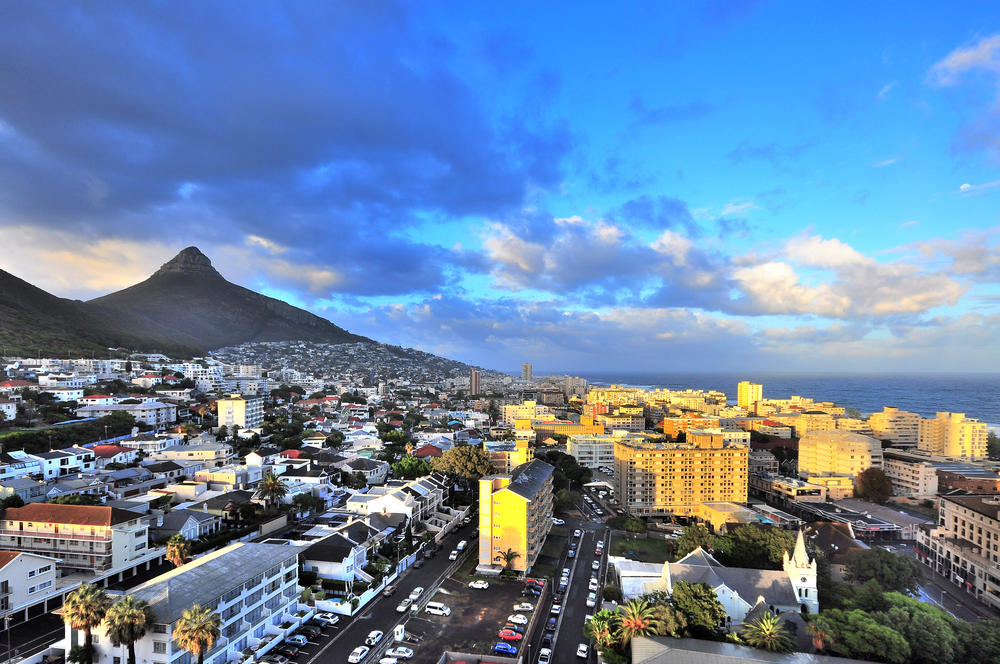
596, 450
236, 410
155, 414
26, 579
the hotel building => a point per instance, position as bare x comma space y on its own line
893, 424
952, 435
838, 452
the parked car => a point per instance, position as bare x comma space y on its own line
316, 623
577, 533
374, 637
416, 593
557, 598
388, 660
545, 656
591, 600
527, 607
596, 565
502, 648
400, 652
571, 553
275, 659
531, 591
582, 650
509, 635
461, 545
592, 586
556, 608
558, 522
418, 563
310, 632
479, 584
389, 590
517, 619
514, 628
453, 555
550, 625
297, 640
547, 642
358, 654
288, 650
563, 585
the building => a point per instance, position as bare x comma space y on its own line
837, 486
155, 414
475, 378
965, 545
84, 538
236, 410
621, 421
952, 435
672, 426
252, 587
895, 425
838, 452
909, 476
26, 580
526, 371
515, 513
507, 455
763, 462
662, 649
212, 454
782, 490
674, 478
748, 394
526, 410
596, 450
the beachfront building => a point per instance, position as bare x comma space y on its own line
748, 394
895, 425
952, 435
515, 513
596, 450
838, 452
507, 455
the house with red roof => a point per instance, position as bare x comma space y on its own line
108, 454
427, 451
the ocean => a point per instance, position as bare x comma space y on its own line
975, 394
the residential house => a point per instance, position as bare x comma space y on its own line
108, 454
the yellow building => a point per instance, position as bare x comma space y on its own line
515, 512
748, 394
899, 426
549, 428
838, 452
237, 411
525, 410
507, 455
837, 486
675, 478
952, 435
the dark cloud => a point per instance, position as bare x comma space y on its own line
656, 212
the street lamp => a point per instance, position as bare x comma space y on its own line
6, 623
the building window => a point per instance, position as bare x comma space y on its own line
159, 628
160, 647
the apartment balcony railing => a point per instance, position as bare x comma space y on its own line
51, 535
61, 551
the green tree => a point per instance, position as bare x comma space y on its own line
507, 558
929, 630
222, 434
978, 642
752, 546
335, 439
178, 550
410, 467
565, 499
692, 538
77, 499
83, 610
855, 633
768, 633
874, 485
13, 500
197, 631
304, 502
465, 461
669, 621
893, 573
637, 619
271, 488
820, 638
126, 623
992, 444
603, 629
700, 606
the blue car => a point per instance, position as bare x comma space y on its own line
502, 648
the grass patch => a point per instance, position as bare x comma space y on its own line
553, 547
645, 550
544, 567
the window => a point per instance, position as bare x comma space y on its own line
160, 647
159, 628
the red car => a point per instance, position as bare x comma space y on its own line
509, 635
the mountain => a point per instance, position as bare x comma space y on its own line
185, 308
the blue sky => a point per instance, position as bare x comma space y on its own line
650, 187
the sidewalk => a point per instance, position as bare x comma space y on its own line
955, 600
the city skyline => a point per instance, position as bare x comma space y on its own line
716, 186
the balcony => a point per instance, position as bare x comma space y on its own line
53, 535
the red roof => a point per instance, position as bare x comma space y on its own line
16, 383
427, 451
97, 396
291, 454
108, 451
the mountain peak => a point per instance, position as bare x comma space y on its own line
189, 261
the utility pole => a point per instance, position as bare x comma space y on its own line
6, 623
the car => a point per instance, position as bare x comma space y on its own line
550, 625
563, 585
416, 593
514, 628
557, 599
404, 605
582, 650
502, 648
577, 533
595, 565
547, 642
565, 571
591, 600
453, 555
545, 656
509, 635
556, 608
317, 624
592, 586
518, 619
429, 553
418, 563
358, 654
598, 511
571, 554
587, 618
297, 640
461, 545
479, 584
310, 632
531, 592
275, 659
524, 606
558, 522
288, 650
389, 590
374, 637
400, 652
388, 660
328, 618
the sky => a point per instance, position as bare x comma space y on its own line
595, 187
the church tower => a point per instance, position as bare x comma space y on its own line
802, 574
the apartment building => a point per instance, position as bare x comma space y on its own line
515, 512
26, 579
674, 478
965, 545
783, 490
893, 424
748, 394
729, 436
155, 414
84, 538
596, 450
675, 425
621, 421
838, 453
952, 435
526, 410
507, 455
212, 454
237, 410
253, 588
910, 476
548, 428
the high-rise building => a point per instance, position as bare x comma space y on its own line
246, 413
475, 376
747, 394
675, 478
507, 455
897, 425
526, 371
515, 513
837, 453
952, 435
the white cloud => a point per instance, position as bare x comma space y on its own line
268, 245
883, 94
973, 189
674, 245
984, 54
774, 288
885, 162
814, 251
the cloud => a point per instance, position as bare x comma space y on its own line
984, 54
973, 189
645, 116
883, 93
779, 156
886, 162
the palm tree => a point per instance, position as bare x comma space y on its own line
271, 488
84, 610
126, 623
768, 633
178, 550
821, 637
637, 619
603, 628
197, 631
508, 557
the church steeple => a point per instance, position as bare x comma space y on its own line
802, 574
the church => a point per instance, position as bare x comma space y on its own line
792, 588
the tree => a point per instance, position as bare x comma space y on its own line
178, 550
126, 623
692, 538
820, 638
335, 439
464, 461
874, 485
77, 499
992, 444
565, 499
508, 557
83, 610
855, 633
753, 546
893, 573
603, 628
304, 502
669, 621
410, 467
637, 619
197, 631
929, 630
13, 500
768, 633
271, 488
222, 434
702, 609
978, 642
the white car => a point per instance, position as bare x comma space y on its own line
328, 618
592, 586
404, 605
544, 656
479, 584
592, 600
577, 533
596, 564
582, 650
400, 652
517, 619
524, 606
557, 522
374, 637
453, 555
556, 608
358, 654
417, 592
388, 660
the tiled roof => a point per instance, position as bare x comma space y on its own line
80, 515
